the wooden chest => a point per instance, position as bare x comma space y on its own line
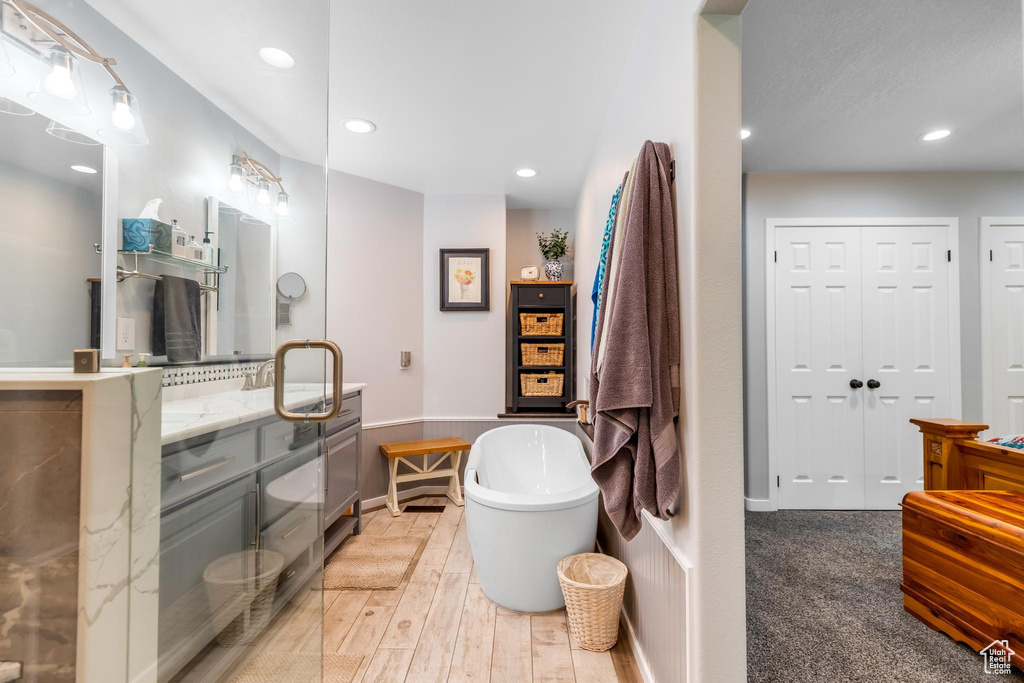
963, 565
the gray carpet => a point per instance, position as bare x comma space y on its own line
824, 604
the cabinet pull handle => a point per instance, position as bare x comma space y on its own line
541, 295
203, 470
259, 513
295, 528
291, 572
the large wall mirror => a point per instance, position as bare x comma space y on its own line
51, 191
240, 321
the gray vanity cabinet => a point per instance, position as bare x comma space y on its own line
191, 538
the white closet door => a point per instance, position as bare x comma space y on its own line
906, 351
1004, 289
818, 351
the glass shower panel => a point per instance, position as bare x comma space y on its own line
158, 180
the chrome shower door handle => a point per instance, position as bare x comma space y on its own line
279, 408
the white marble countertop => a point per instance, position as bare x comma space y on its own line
197, 409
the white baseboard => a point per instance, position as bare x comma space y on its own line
638, 653
378, 502
758, 504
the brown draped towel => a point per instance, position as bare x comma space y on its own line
634, 394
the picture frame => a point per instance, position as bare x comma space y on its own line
465, 280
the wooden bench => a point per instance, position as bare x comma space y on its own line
403, 452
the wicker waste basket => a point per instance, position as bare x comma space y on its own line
592, 585
240, 588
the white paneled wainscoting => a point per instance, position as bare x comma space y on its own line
657, 593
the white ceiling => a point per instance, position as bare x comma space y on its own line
848, 86
463, 92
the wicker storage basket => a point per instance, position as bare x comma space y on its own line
592, 585
541, 324
542, 354
541, 385
241, 588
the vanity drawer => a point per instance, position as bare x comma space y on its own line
201, 465
542, 296
280, 438
295, 533
351, 411
289, 482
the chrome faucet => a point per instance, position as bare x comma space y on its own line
260, 378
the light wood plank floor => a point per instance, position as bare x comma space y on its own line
439, 626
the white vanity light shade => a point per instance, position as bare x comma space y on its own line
263, 191
60, 89
236, 181
277, 58
281, 209
359, 125
68, 134
124, 121
8, 106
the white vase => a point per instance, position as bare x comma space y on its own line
553, 269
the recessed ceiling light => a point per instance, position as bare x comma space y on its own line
82, 169
275, 57
359, 125
526, 172
744, 134
935, 135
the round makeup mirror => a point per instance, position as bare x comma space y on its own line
291, 286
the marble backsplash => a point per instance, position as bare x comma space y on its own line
40, 476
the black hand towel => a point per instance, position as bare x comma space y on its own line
177, 333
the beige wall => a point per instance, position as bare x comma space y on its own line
521, 228
681, 85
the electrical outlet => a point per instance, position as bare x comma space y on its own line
126, 334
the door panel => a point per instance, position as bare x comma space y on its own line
906, 350
1004, 287
818, 352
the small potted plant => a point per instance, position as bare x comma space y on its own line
553, 247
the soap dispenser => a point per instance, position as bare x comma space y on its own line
208, 249
179, 240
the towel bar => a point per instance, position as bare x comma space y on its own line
123, 273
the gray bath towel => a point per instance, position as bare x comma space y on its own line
177, 332
635, 396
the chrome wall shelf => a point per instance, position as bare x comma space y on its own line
162, 256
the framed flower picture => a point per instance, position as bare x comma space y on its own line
465, 280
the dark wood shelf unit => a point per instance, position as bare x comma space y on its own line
537, 297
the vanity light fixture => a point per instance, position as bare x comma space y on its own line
9, 106
744, 134
526, 172
359, 125
69, 134
82, 169
61, 88
262, 191
277, 58
246, 172
281, 209
934, 135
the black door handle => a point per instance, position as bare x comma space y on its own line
856, 384
874, 384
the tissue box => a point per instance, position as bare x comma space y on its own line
139, 233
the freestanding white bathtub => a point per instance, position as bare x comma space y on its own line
530, 501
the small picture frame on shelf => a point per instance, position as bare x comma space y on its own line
465, 280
